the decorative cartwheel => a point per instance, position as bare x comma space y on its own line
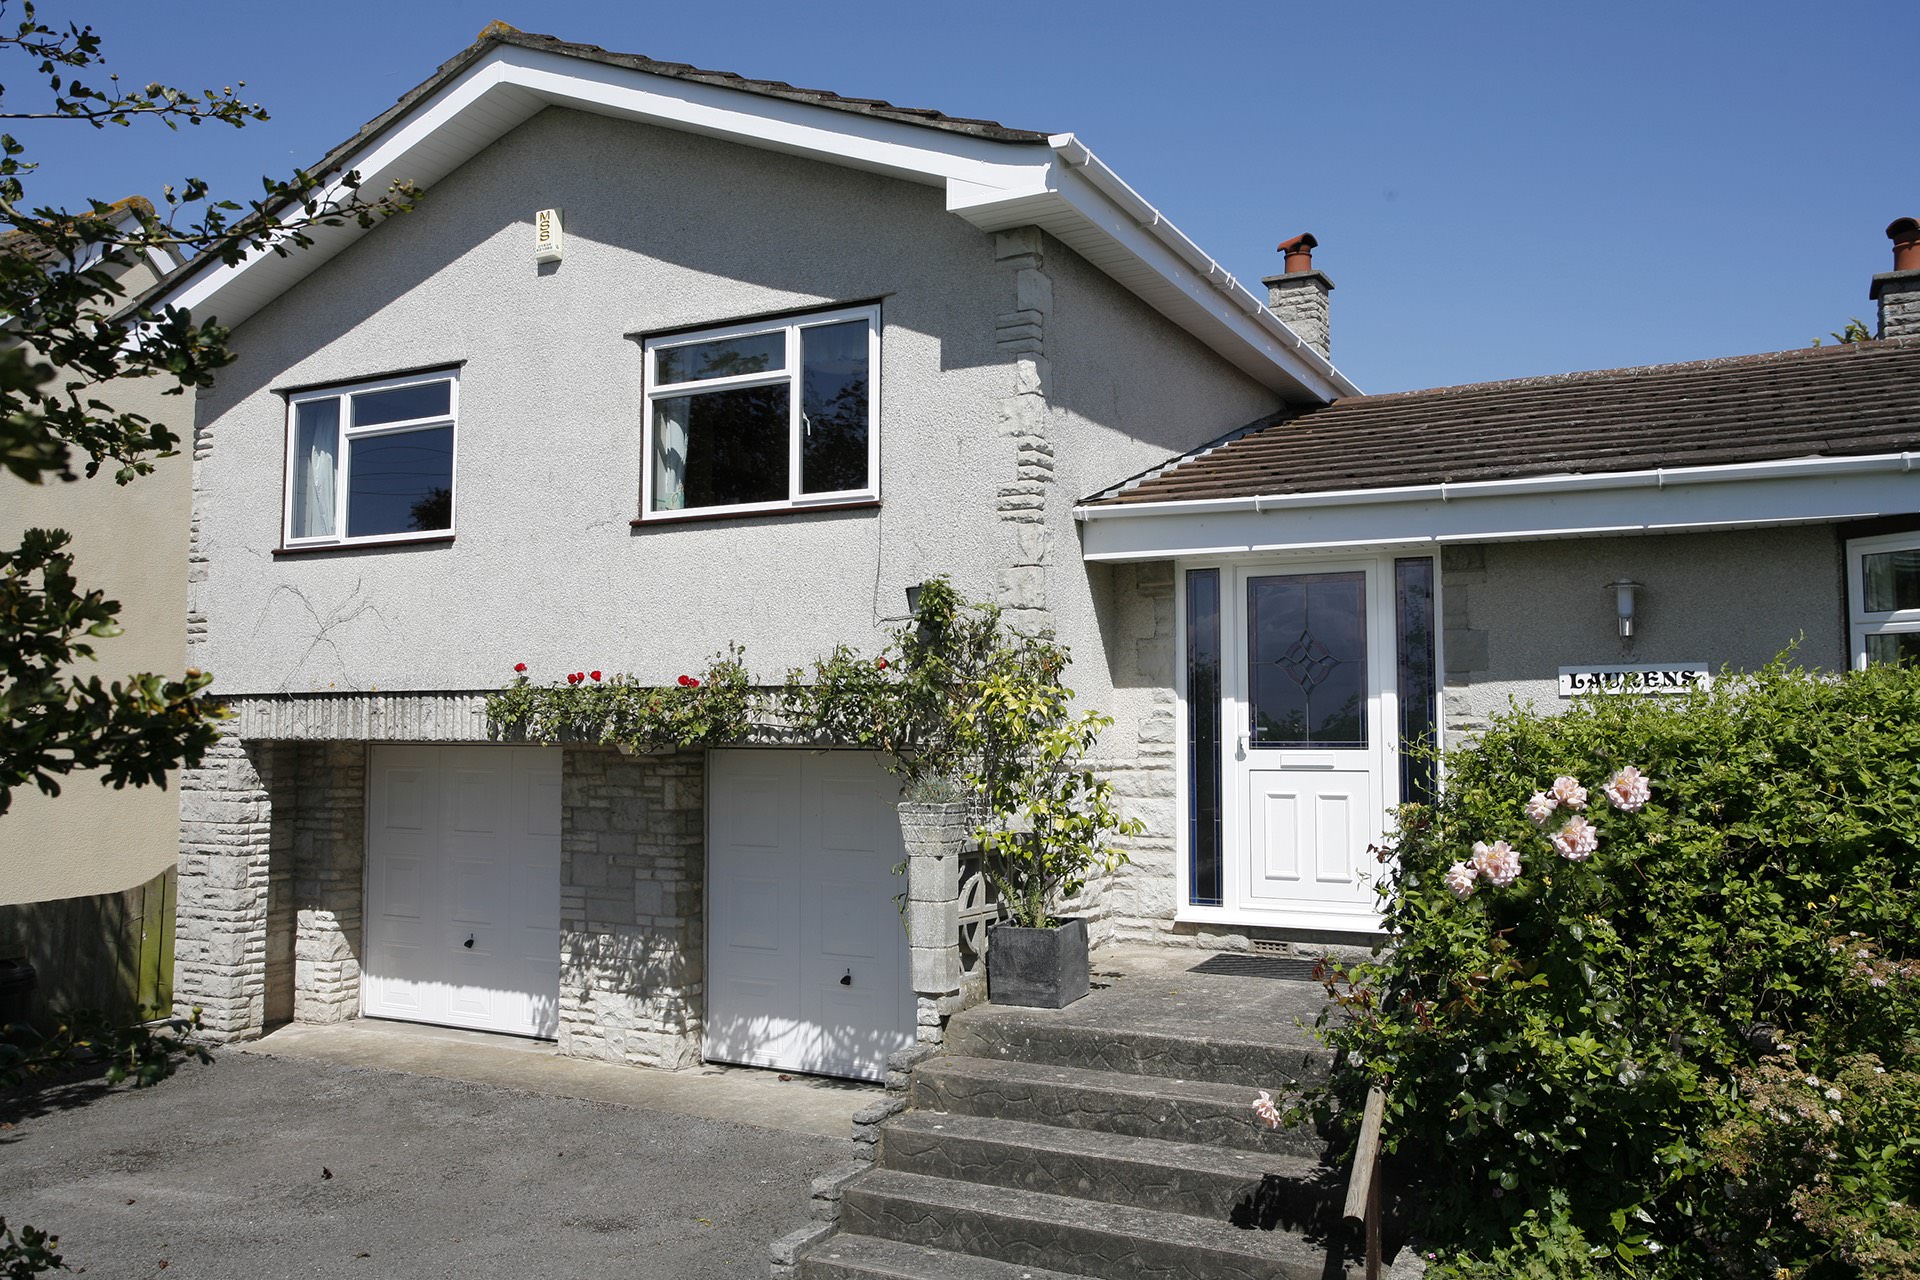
979, 907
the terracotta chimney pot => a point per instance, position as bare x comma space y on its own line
1905, 234
1299, 251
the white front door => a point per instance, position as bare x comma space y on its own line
806, 950
1307, 719
463, 888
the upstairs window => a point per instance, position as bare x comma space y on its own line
764, 416
372, 461
1883, 582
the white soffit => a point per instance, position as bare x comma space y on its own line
1799, 490
1060, 187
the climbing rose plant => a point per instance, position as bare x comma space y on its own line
1652, 1003
710, 709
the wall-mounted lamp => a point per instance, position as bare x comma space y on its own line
1623, 590
913, 598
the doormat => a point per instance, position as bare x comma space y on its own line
1240, 965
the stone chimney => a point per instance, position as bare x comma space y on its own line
1299, 295
1898, 291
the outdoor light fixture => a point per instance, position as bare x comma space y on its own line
1623, 590
913, 598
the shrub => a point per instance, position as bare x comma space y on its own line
1675, 1039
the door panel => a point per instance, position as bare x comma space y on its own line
463, 910
1305, 702
806, 945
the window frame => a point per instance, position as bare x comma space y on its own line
1862, 622
792, 326
343, 393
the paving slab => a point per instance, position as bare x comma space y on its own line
270, 1165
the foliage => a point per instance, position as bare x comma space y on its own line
1855, 331
904, 701
710, 709
70, 333
134, 731
1604, 1049
143, 1054
1053, 820
30, 1253
959, 703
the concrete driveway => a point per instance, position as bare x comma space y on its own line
333, 1164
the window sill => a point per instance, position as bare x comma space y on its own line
367, 544
763, 513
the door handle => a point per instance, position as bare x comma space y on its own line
468, 944
848, 980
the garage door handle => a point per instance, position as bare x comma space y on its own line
468, 944
848, 980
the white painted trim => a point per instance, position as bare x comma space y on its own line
1382, 641
1662, 500
994, 185
793, 376
1862, 623
345, 434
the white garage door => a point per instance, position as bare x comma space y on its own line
806, 950
463, 888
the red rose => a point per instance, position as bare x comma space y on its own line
574, 678
685, 681
594, 674
880, 664
692, 682
519, 666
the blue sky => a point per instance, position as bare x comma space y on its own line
1499, 189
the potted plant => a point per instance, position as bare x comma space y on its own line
1052, 827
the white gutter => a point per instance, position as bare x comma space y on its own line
1582, 482
1662, 500
1082, 160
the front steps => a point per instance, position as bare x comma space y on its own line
1112, 1139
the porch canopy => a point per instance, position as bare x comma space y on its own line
1813, 435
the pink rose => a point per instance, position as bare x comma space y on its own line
1569, 792
1497, 862
1460, 880
1628, 790
1577, 840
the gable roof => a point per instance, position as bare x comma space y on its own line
994, 177
1824, 411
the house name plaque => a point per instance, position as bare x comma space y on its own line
1677, 677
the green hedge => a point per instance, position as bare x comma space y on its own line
1690, 1053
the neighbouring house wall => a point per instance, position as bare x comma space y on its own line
129, 541
632, 936
1516, 612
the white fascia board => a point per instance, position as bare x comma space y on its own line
1795, 490
1185, 283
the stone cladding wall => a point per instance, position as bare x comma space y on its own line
632, 880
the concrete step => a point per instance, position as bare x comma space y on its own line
1170, 1030
1218, 1183
850, 1257
1183, 1111
1079, 1237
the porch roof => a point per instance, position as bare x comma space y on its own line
1452, 462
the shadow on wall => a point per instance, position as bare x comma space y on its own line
112, 952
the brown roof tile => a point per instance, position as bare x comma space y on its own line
1819, 401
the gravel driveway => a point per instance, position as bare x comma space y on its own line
260, 1167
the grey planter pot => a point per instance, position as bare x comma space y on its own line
1038, 968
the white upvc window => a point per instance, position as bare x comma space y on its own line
371, 461
1883, 588
769, 415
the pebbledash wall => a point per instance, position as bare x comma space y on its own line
1015, 377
